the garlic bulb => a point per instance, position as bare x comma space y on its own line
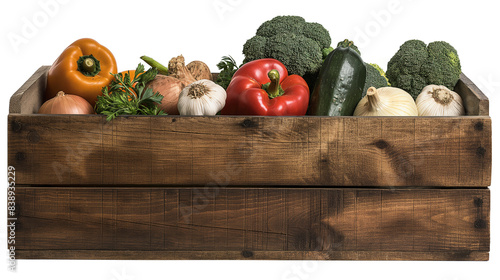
439, 101
386, 101
202, 98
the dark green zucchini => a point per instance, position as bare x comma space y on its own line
339, 85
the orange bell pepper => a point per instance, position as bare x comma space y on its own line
83, 69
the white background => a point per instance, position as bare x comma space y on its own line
207, 30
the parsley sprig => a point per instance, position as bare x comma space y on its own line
228, 67
127, 95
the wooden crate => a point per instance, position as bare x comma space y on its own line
224, 187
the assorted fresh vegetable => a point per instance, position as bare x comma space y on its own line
339, 85
290, 68
439, 101
386, 101
83, 69
263, 87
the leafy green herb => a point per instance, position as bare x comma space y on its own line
228, 67
127, 95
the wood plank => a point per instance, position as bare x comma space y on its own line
326, 220
259, 255
267, 151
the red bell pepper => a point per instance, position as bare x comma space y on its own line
263, 87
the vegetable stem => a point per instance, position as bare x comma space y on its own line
373, 99
153, 63
273, 88
88, 65
442, 96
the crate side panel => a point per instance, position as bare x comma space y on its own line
300, 220
222, 151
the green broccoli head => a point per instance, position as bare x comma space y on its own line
296, 43
375, 77
443, 65
417, 65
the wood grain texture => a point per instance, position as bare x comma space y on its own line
267, 223
475, 102
225, 150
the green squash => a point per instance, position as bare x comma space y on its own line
339, 85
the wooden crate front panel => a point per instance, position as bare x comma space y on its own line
328, 223
222, 151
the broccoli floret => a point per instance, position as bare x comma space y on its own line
381, 71
296, 43
417, 65
375, 77
280, 24
348, 44
318, 33
326, 52
254, 47
306, 52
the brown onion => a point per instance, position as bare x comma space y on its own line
170, 88
66, 104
